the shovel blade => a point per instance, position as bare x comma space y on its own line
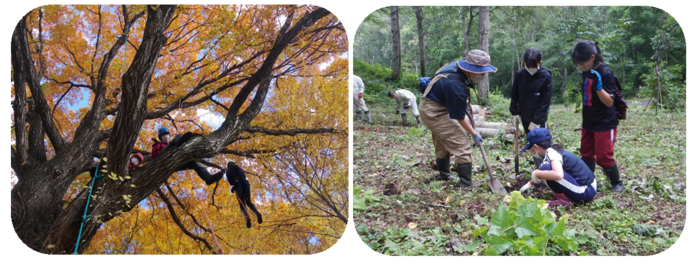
497, 187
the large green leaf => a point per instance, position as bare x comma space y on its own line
501, 220
526, 226
499, 244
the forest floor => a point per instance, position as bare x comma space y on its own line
435, 218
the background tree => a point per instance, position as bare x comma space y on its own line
419, 13
395, 37
483, 33
101, 79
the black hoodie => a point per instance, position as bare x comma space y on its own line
531, 96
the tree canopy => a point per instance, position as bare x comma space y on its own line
263, 86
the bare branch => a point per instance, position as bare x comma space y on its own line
179, 223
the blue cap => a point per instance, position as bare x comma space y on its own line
536, 136
162, 131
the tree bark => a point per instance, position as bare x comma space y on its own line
483, 90
395, 35
420, 35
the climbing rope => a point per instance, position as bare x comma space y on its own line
84, 217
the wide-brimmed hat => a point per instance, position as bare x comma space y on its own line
477, 61
536, 136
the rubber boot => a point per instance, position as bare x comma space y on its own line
368, 117
418, 121
591, 163
561, 200
359, 114
404, 119
249, 222
465, 175
615, 178
443, 166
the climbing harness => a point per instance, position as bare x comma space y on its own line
84, 217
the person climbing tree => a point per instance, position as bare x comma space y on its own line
240, 186
158, 146
135, 161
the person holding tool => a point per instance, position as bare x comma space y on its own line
443, 110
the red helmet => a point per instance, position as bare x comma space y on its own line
138, 155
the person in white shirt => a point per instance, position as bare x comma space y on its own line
360, 105
405, 100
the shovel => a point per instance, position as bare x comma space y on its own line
494, 184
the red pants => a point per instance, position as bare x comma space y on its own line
599, 146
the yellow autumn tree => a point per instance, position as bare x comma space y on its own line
263, 86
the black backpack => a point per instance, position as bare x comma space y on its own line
619, 102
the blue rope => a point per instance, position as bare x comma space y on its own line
84, 218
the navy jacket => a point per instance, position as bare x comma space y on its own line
530, 96
237, 178
451, 92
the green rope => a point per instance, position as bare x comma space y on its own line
84, 218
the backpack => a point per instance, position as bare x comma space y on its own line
423, 83
619, 102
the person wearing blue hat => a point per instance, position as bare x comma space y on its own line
565, 174
443, 108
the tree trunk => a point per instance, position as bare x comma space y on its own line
420, 34
465, 42
483, 90
395, 35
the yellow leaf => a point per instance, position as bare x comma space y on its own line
105, 159
447, 200
105, 166
127, 177
132, 185
50, 246
121, 179
412, 225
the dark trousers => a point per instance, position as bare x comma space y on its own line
245, 201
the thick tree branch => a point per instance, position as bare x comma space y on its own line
23, 67
263, 76
93, 117
135, 85
290, 132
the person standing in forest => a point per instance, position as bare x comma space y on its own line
405, 100
165, 141
530, 96
443, 110
599, 118
360, 105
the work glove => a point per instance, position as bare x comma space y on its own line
599, 85
406, 106
527, 186
477, 139
397, 112
535, 179
360, 96
532, 126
